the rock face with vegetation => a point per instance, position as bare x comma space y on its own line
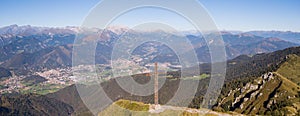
274, 93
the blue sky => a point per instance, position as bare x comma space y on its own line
241, 15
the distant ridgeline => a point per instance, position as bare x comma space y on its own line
34, 48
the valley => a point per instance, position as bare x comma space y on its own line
36, 70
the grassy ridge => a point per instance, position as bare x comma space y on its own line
133, 105
129, 108
291, 69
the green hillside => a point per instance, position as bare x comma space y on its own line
129, 108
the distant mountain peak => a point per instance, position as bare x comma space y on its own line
118, 29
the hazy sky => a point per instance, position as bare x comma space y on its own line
241, 15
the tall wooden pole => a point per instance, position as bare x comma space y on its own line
156, 84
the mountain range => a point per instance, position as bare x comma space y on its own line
287, 35
262, 75
52, 47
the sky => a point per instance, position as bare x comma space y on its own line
238, 15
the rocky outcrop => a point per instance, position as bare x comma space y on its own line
255, 96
